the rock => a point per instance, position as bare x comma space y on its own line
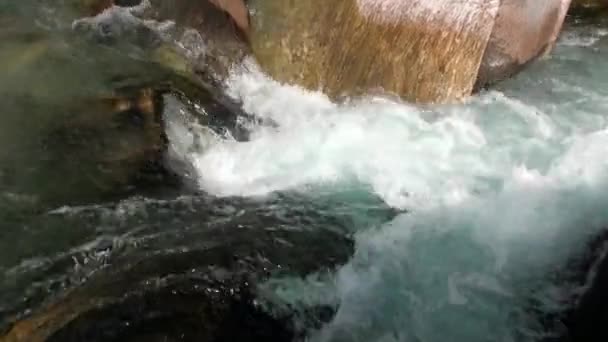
237, 10
191, 38
98, 135
591, 4
589, 319
115, 144
589, 8
91, 7
585, 313
524, 30
424, 51
213, 44
94, 7
66, 136
197, 283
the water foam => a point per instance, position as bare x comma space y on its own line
502, 192
410, 157
482, 268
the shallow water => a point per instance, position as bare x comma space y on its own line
465, 216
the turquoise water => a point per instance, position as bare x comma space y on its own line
501, 193
464, 216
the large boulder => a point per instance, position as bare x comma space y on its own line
73, 136
424, 51
65, 136
195, 39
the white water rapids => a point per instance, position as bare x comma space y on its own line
500, 192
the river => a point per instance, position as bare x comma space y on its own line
465, 217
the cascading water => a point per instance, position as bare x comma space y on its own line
465, 217
500, 193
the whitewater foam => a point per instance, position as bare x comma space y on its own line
411, 157
501, 191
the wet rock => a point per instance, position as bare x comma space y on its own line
103, 148
524, 30
196, 36
586, 315
237, 10
424, 51
192, 41
589, 4
112, 144
79, 136
589, 9
199, 281
589, 319
93, 7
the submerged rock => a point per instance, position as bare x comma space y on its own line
196, 36
70, 135
589, 8
191, 280
585, 313
588, 320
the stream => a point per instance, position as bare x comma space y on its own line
461, 222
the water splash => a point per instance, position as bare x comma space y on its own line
501, 191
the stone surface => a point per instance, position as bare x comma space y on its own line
589, 4
197, 283
524, 30
425, 51
586, 313
237, 10
71, 136
589, 8
189, 37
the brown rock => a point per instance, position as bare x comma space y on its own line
200, 293
425, 51
524, 30
237, 10
107, 147
223, 43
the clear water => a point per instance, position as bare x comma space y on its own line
496, 196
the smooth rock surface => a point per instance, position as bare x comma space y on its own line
197, 282
425, 51
524, 30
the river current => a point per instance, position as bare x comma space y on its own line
491, 199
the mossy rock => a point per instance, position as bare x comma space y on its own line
78, 136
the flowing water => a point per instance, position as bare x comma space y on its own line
465, 217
